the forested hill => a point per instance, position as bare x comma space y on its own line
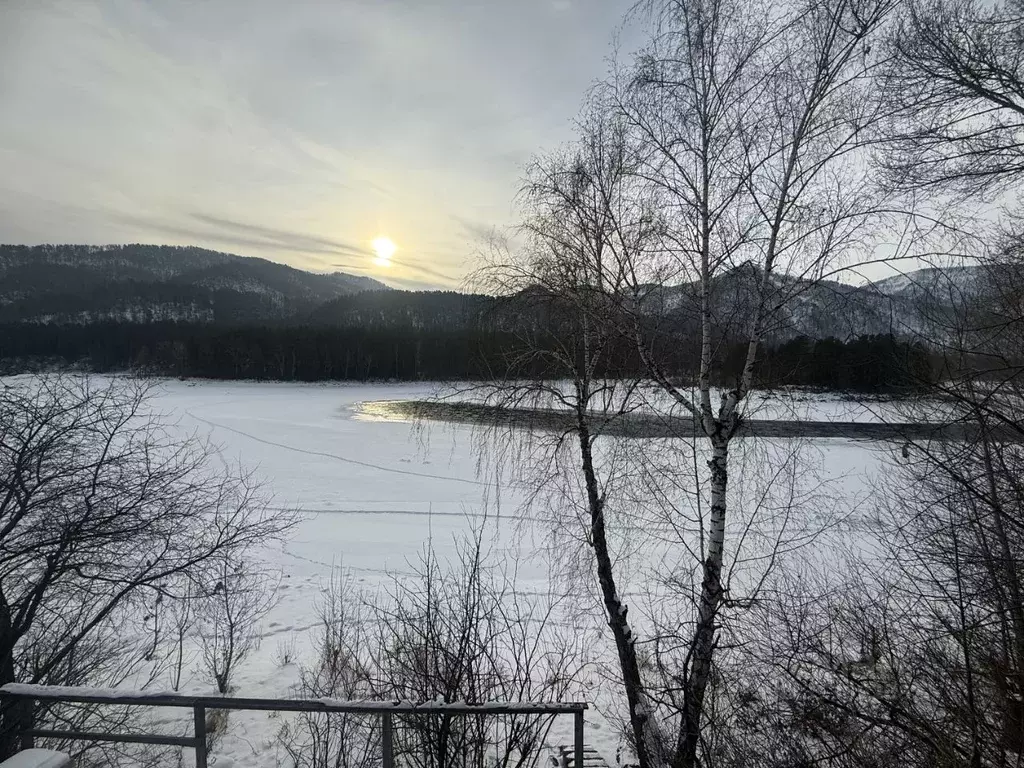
405, 309
69, 284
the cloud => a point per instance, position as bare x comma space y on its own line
451, 280
407, 284
205, 230
294, 241
237, 240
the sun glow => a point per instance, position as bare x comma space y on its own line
385, 248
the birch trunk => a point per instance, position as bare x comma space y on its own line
703, 644
646, 744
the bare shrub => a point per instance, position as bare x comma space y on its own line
342, 668
285, 653
229, 621
460, 632
107, 518
453, 632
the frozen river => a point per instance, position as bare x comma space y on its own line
374, 493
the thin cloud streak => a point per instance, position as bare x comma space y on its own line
385, 274
424, 270
295, 241
235, 243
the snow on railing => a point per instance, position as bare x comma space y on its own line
386, 710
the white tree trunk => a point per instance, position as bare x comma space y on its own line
703, 644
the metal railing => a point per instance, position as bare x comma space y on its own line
386, 710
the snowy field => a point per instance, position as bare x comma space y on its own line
373, 494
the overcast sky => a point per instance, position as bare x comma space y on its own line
297, 131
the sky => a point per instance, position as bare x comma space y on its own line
290, 130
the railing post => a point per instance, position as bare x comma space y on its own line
199, 719
387, 740
26, 718
577, 730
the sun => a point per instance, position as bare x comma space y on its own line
385, 248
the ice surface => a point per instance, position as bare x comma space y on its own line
374, 494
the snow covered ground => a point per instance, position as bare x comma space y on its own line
374, 494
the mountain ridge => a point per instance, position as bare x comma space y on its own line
140, 283
86, 283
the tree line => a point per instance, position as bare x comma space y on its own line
870, 363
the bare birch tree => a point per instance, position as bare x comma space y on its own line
585, 222
594, 264
755, 123
746, 129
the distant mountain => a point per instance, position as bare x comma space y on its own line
149, 283
194, 312
948, 283
79, 284
903, 305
